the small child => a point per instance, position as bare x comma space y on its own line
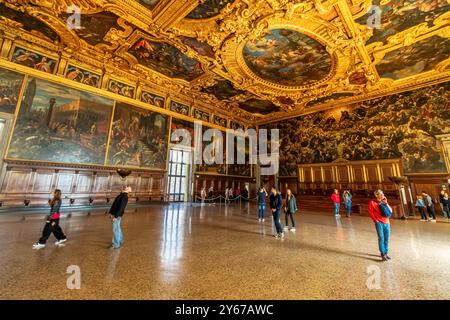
420, 205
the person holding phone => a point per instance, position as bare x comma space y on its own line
380, 211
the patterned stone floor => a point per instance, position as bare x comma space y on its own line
223, 252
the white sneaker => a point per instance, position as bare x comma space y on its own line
286, 228
292, 229
434, 220
263, 220
259, 220
38, 246
282, 236
60, 242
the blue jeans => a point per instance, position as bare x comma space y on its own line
117, 233
337, 206
261, 210
383, 232
348, 208
276, 220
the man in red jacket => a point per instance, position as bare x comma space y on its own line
336, 201
382, 224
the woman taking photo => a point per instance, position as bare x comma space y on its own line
52, 223
289, 209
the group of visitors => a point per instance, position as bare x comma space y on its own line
276, 205
347, 199
229, 194
425, 201
52, 221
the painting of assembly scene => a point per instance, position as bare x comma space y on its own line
10, 83
33, 60
139, 138
400, 15
60, 124
287, 57
419, 57
166, 59
208, 9
83, 76
404, 126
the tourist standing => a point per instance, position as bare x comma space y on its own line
289, 209
116, 213
446, 206
347, 197
420, 205
203, 194
380, 211
226, 195
276, 203
336, 202
52, 223
237, 193
429, 203
262, 194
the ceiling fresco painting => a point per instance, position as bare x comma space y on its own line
223, 90
201, 48
258, 106
149, 4
419, 57
94, 27
287, 57
28, 23
208, 9
166, 59
400, 15
253, 61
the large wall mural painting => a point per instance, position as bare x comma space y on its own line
10, 84
403, 125
400, 15
139, 138
188, 132
208, 9
166, 59
287, 57
60, 124
414, 59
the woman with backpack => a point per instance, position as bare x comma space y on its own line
52, 223
289, 209
380, 212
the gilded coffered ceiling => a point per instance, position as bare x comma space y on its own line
250, 60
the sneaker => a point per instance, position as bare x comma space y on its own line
423, 220
38, 246
282, 236
434, 220
59, 242
337, 215
112, 247
277, 236
388, 257
259, 220
384, 258
265, 220
292, 229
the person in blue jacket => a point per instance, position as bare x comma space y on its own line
347, 197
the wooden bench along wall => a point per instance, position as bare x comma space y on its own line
34, 183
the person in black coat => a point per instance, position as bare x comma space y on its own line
276, 202
116, 213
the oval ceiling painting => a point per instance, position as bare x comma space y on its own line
287, 57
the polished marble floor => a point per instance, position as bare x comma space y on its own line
223, 252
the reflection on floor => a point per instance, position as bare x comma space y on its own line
219, 252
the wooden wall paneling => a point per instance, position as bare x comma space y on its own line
43, 181
65, 182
